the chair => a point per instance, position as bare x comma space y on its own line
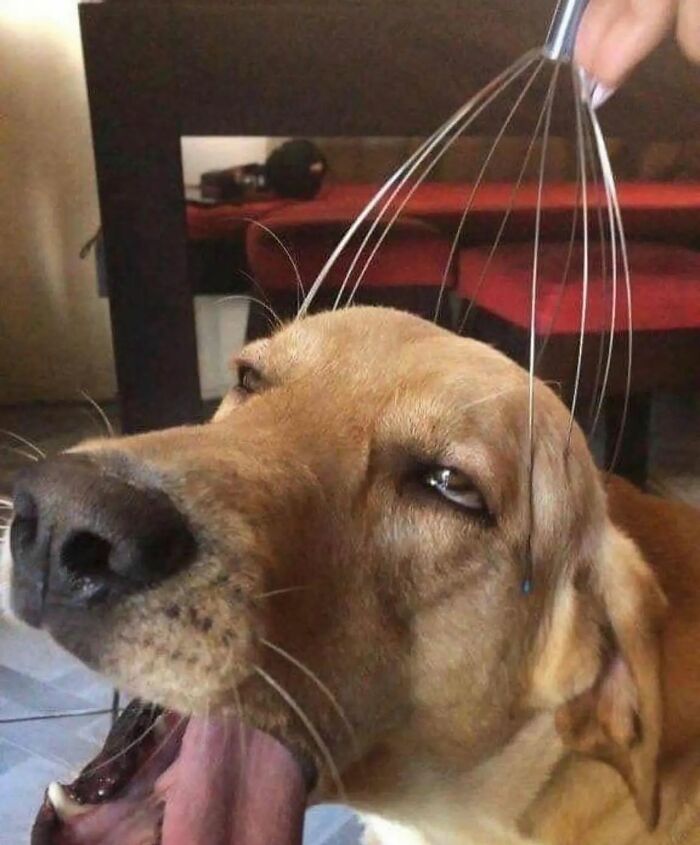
495, 305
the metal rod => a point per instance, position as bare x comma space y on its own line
561, 38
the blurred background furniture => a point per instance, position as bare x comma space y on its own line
662, 222
665, 337
159, 71
412, 269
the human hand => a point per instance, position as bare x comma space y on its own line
615, 35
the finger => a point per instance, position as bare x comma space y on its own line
615, 35
689, 28
599, 16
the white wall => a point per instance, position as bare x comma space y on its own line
54, 329
200, 154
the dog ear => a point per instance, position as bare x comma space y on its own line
599, 666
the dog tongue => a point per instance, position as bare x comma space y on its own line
232, 785
220, 784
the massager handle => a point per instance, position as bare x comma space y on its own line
561, 38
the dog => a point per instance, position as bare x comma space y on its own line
369, 569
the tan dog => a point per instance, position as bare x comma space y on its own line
359, 525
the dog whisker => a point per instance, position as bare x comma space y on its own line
20, 439
313, 677
29, 456
276, 322
242, 739
145, 706
167, 737
308, 724
279, 592
65, 714
285, 249
115, 705
495, 395
263, 293
109, 428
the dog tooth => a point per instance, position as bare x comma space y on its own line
66, 807
160, 728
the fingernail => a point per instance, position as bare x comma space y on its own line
588, 84
600, 95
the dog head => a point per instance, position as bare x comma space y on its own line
340, 555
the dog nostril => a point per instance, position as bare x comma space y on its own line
25, 520
85, 535
86, 555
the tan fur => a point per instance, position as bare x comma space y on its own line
480, 715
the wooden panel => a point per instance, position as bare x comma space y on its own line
388, 68
136, 133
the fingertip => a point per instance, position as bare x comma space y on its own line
616, 36
596, 49
688, 29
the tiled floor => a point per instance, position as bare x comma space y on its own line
37, 678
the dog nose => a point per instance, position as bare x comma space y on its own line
80, 535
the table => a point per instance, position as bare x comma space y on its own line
161, 70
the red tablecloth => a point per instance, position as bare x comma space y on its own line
665, 211
413, 255
211, 222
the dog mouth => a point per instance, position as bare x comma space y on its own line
163, 779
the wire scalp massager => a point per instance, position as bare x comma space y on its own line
561, 39
595, 190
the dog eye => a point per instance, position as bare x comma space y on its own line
249, 379
454, 486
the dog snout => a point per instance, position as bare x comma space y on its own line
81, 535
